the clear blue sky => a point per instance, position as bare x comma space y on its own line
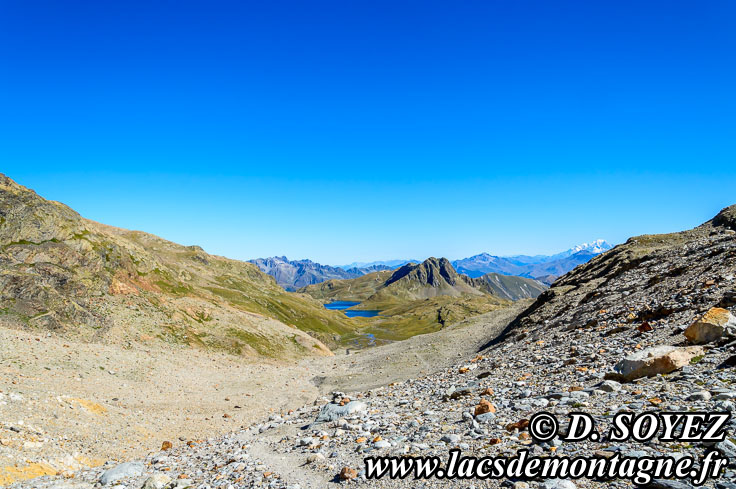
344, 131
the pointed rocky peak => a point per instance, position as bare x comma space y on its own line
432, 271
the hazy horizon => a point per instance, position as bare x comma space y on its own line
422, 258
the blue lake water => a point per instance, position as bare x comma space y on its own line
361, 314
351, 313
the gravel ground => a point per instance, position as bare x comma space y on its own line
430, 414
66, 405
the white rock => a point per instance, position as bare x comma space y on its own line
315, 458
122, 471
558, 484
450, 438
610, 386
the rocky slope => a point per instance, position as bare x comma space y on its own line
293, 274
510, 287
656, 313
657, 279
60, 272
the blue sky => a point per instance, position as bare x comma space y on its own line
354, 131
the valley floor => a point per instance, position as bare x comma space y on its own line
66, 405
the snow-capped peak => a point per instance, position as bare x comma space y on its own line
597, 246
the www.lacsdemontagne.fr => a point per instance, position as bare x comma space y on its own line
639, 470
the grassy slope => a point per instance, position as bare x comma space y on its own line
422, 316
355, 290
239, 285
94, 282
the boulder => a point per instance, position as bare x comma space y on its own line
333, 412
122, 471
655, 360
348, 473
485, 418
315, 458
484, 407
451, 438
711, 326
610, 386
728, 448
699, 396
157, 481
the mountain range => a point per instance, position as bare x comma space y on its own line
544, 268
381, 263
292, 274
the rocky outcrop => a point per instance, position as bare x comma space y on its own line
122, 471
334, 411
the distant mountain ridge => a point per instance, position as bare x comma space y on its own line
419, 281
389, 264
545, 268
293, 274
